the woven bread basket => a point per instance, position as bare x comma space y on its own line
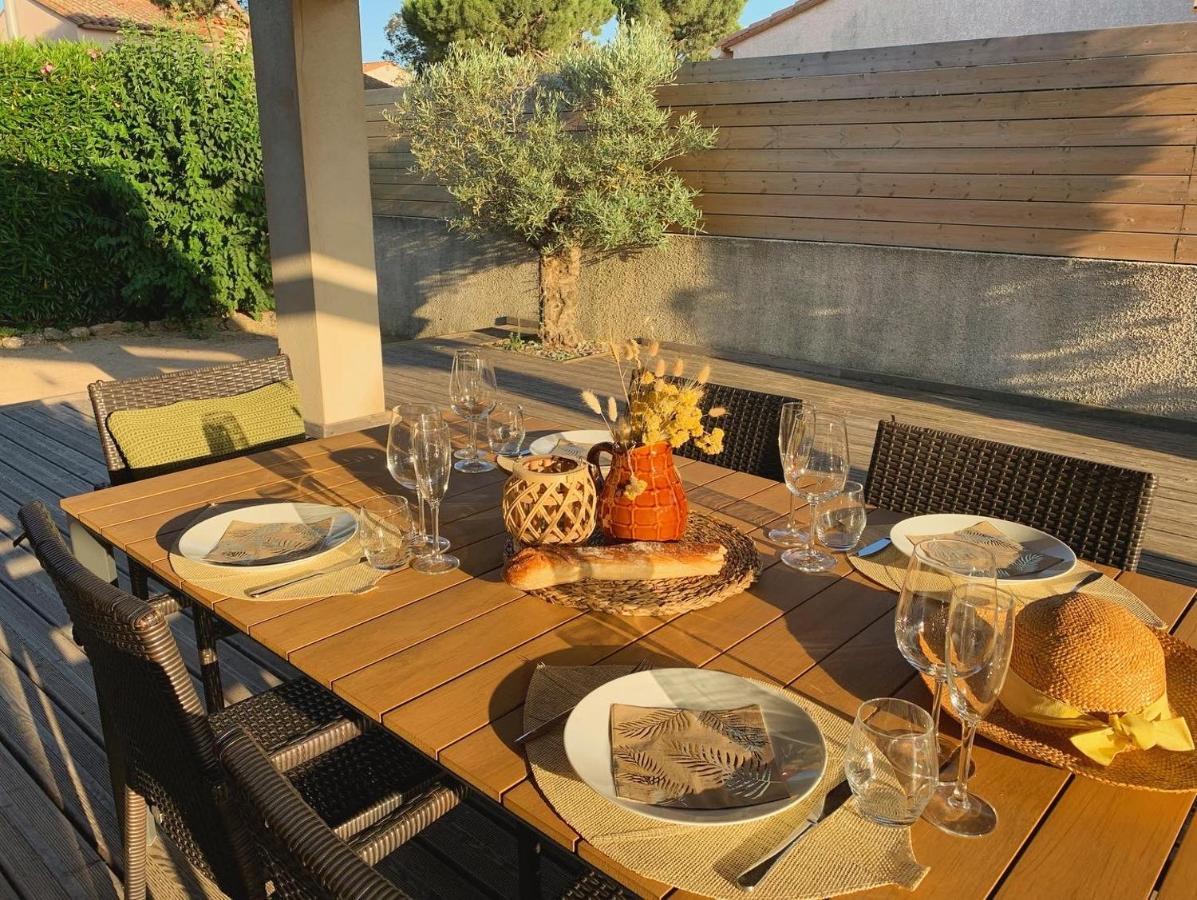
1092, 654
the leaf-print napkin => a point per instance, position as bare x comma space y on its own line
698, 759
1011, 557
255, 543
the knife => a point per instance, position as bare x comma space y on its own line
832, 800
272, 586
875, 547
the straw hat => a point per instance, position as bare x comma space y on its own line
1086, 675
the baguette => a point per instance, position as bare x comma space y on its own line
534, 568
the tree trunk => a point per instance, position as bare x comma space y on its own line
559, 298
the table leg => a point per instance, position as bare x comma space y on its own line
529, 863
95, 555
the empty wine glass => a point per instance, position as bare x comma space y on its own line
432, 458
399, 459
939, 570
789, 534
841, 518
890, 760
980, 639
473, 392
816, 466
505, 429
385, 530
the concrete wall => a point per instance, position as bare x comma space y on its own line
1103, 333
854, 24
31, 21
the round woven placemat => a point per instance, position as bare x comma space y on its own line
843, 853
667, 596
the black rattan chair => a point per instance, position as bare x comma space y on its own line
227, 380
750, 430
1099, 510
162, 750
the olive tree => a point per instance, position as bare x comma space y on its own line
565, 153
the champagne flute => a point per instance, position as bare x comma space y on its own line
472, 392
399, 461
789, 534
432, 458
816, 467
939, 570
980, 639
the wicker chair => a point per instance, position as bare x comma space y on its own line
162, 750
227, 380
1098, 510
750, 430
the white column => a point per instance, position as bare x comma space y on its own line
307, 59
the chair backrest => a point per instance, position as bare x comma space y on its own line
156, 734
305, 859
226, 380
750, 430
1099, 510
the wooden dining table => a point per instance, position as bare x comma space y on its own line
443, 662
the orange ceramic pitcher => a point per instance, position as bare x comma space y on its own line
659, 512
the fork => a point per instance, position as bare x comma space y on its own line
544, 726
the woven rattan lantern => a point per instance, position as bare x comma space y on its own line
549, 500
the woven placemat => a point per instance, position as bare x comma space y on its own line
888, 568
668, 596
234, 582
844, 853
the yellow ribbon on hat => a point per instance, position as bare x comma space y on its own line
1155, 725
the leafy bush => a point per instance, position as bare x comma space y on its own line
130, 181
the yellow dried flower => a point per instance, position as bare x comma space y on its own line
679, 366
717, 412
646, 377
592, 402
654, 348
612, 409
704, 374
660, 370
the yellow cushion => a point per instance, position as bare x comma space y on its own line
196, 429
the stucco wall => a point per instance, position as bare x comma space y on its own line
853, 24
1103, 333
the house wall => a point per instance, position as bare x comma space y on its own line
854, 24
1098, 332
36, 22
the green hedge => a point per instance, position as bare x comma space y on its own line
130, 182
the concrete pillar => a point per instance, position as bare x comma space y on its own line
307, 59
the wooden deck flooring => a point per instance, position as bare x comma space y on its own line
58, 832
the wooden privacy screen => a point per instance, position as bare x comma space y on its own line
1074, 144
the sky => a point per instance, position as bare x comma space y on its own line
375, 14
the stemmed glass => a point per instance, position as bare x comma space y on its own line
789, 534
980, 639
472, 392
505, 429
404, 416
816, 466
432, 459
939, 571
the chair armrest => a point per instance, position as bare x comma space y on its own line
382, 839
166, 603
316, 744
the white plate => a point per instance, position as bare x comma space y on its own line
543, 446
796, 740
946, 523
198, 540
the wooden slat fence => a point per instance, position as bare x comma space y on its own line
1076, 144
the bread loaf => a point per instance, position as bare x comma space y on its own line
540, 567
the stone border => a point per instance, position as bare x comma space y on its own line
238, 322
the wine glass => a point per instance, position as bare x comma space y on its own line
472, 392
789, 534
399, 462
980, 639
841, 518
505, 429
816, 467
432, 458
939, 570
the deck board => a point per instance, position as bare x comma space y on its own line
55, 807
